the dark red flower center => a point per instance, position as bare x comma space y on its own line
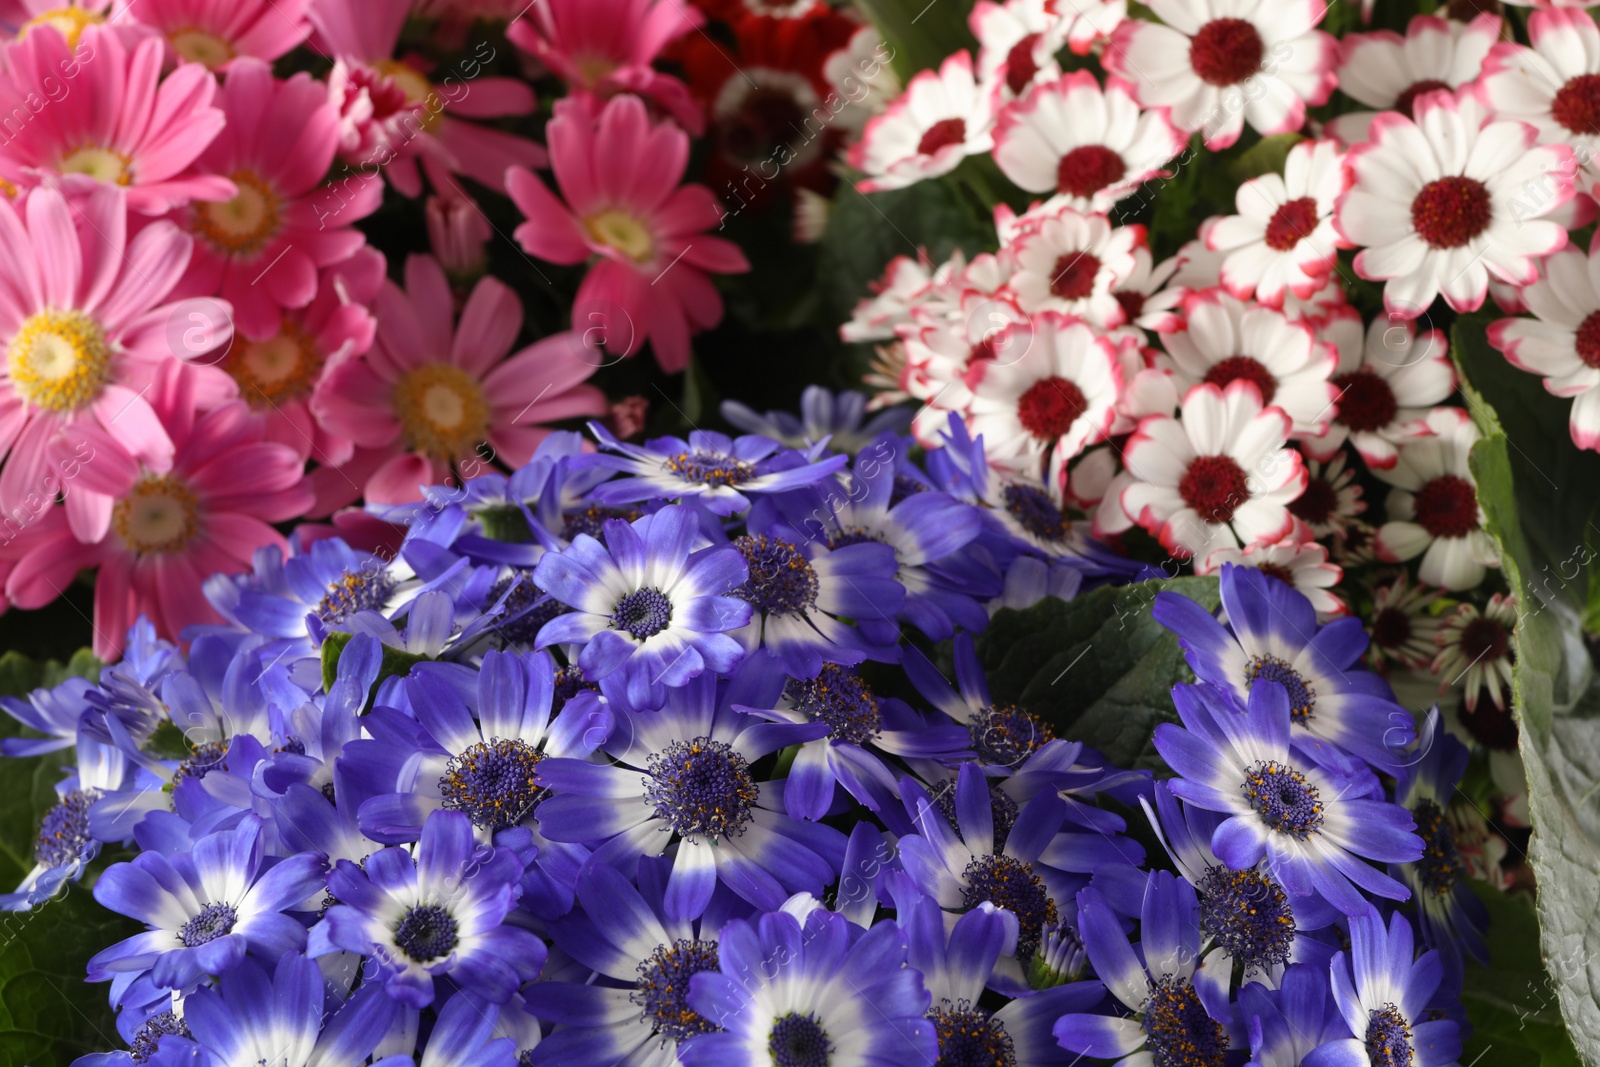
1132, 302
1366, 401
1214, 486
1406, 102
1226, 51
1484, 640
1050, 407
1291, 222
1020, 67
1391, 628
1449, 212
1447, 507
1278, 571
1577, 104
1246, 368
941, 134
1317, 504
1088, 169
1074, 275
1588, 340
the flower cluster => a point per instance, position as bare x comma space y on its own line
639, 754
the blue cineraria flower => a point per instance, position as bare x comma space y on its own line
805, 996
438, 913
1382, 993
711, 468
1312, 826
54, 712
928, 531
253, 1016
651, 611
956, 966
1452, 916
1022, 861
635, 1008
205, 908
128, 690
1247, 918
1286, 1023
64, 844
839, 418
801, 591
683, 778
1179, 1012
1272, 635
859, 722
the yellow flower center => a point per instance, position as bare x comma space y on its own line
101, 164
201, 46
276, 370
593, 68
622, 231
443, 412
240, 226
69, 20
157, 516
418, 90
59, 360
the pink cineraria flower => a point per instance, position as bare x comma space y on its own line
1217, 64
432, 392
619, 178
943, 117
604, 47
120, 124
1562, 341
1222, 340
1388, 72
1070, 262
1433, 507
207, 510
214, 33
1441, 204
1303, 566
1218, 475
1088, 147
86, 322
261, 249
1283, 239
1389, 377
278, 374
396, 114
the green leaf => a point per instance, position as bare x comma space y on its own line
397, 663
1558, 711
1512, 1003
1098, 668
1266, 156
921, 32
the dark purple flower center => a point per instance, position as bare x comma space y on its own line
799, 1041
1005, 736
494, 783
1441, 868
592, 520
426, 932
1247, 914
367, 589
525, 611
1002, 809
971, 1037
1178, 1032
64, 832
1284, 799
1302, 697
214, 921
148, 1039
1388, 1038
709, 468
838, 697
569, 683
782, 581
204, 758
1011, 883
701, 788
1035, 512
643, 613
662, 990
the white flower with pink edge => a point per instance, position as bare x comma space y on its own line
1331, 502
1303, 566
1088, 147
1388, 72
1562, 342
1217, 64
1069, 262
1218, 475
1553, 86
1017, 45
1389, 378
1441, 203
1433, 507
1283, 239
941, 118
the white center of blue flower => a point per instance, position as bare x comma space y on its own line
426, 932
838, 697
782, 581
642, 613
368, 589
662, 989
1388, 1038
701, 789
494, 783
214, 921
709, 468
971, 1037
1010, 883
1035, 512
1248, 915
1302, 697
1284, 799
799, 1041
64, 831
1178, 1032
